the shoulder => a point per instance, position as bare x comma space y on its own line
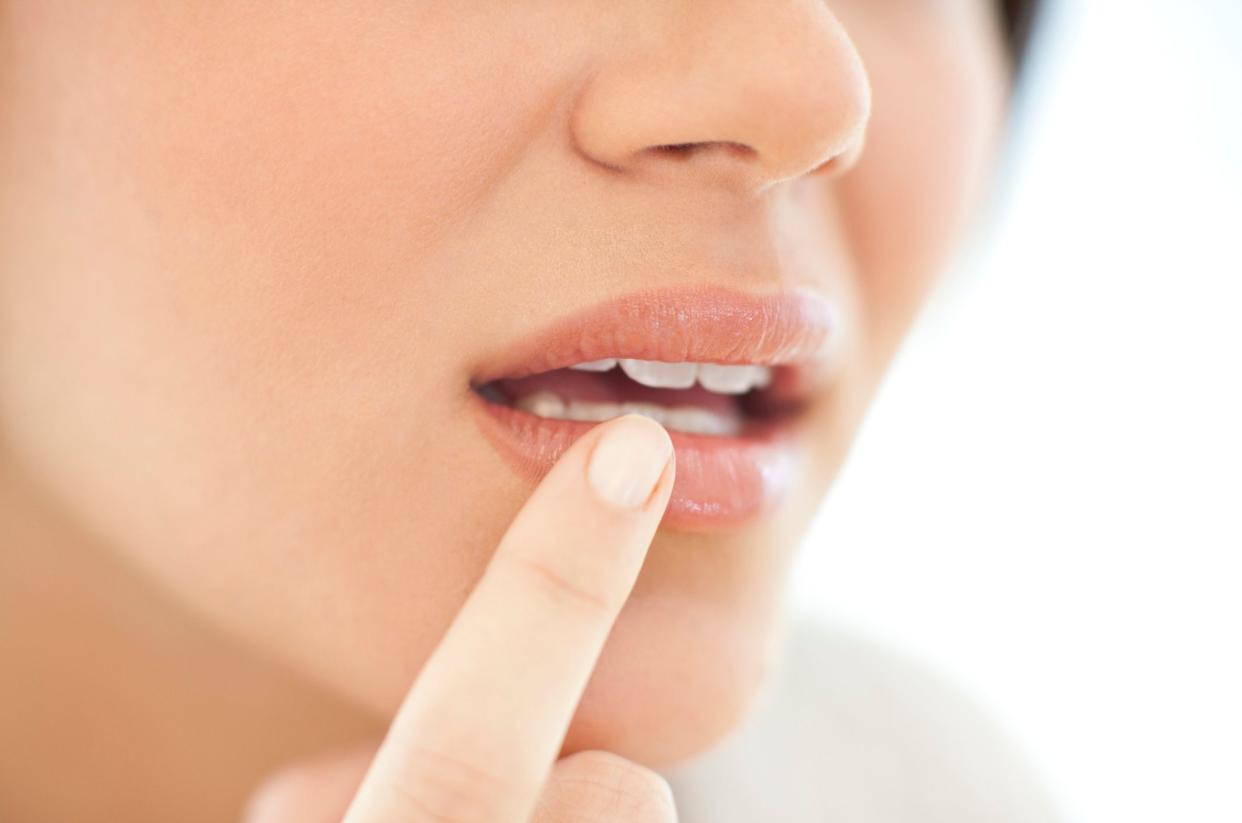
847, 729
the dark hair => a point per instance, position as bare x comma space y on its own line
1018, 17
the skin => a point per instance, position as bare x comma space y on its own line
251, 255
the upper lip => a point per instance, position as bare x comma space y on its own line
690, 324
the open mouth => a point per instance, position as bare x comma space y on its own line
728, 374
710, 399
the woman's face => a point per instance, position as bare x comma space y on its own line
258, 259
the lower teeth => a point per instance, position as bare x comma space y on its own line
688, 419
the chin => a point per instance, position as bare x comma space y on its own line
671, 684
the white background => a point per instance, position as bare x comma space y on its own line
1046, 499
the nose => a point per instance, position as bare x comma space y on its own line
742, 94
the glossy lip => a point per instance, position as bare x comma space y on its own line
703, 325
721, 482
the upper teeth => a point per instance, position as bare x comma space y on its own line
714, 377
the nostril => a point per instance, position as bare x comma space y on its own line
686, 150
677, 149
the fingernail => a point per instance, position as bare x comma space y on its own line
628, 461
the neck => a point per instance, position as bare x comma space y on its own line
117, 704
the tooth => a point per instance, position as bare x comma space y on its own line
653, 410
592, 412
595, 365
695, 420
542, 404
731, 379
661, 375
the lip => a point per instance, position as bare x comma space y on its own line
721, 482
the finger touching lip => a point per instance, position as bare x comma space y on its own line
728, 374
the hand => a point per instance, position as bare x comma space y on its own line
477, 736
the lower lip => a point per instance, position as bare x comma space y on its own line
721, 482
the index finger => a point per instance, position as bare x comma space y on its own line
478, 732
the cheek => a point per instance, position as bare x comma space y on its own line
938, 96
226, 323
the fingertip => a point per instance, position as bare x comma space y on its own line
631, 456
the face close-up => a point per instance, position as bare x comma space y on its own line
295, 299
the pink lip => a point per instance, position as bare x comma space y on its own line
722, 482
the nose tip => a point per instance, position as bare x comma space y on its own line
744, 98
